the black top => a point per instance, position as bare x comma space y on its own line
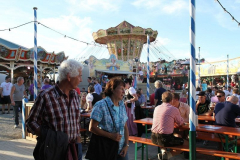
96, 97
158, 95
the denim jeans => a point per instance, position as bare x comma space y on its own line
18, 104
79, 151
122, 158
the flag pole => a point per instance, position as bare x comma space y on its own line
35, 52
192, 87
148, 68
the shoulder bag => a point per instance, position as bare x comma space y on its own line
102, 148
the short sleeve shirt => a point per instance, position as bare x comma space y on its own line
203, 108
158, 95
6, 88
101, 114
132, 91
89, 97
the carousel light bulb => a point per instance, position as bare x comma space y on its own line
28, 67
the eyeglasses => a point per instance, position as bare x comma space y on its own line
219, 96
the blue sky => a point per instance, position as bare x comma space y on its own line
216, 33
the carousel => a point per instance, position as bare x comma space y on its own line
17, 61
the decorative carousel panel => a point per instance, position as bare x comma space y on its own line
155, 33
148, 31
124, 30
137, 46
125, 48
41, 54
119, 48
112, 31
4, 52
94, 35
131, 47
101, 33
112, 47
60, 57
138, 30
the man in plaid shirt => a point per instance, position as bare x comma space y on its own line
58, 107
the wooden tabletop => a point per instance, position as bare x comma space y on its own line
211, 118
86, 115
201, 127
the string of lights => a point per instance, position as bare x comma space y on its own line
9, 29
225, 10
65, 36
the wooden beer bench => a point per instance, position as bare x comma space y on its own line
212, 152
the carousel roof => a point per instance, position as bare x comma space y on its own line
124, 30
9, 44
10, 51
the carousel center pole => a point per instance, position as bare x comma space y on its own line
192, 87
35, 52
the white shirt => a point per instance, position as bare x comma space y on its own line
89, 97
140, 73
6, 88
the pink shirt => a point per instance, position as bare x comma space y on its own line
164, 117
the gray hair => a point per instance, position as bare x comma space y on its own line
19, 79
46, 80
158, 84
70, 67
233, 99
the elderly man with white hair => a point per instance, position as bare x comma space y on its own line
226, 112
57, 110
158, 93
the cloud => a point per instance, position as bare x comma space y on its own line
175, 6
95, 5
225, 21
66, 23
163, 6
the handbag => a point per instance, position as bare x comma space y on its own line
102, 148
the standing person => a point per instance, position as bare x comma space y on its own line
158, 93
46, 84
5, 90
90, 83
204, 86
57, 109
131, 97
165, 117
97, 87
31, 91
17, 94
183, 96
100, 118
236, 93
141, 74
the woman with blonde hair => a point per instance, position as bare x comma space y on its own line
83, 100
89, 98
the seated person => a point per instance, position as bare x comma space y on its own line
164, 118
141, 98
220, 98
202, 105
226, 112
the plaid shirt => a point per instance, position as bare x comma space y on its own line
53, 109
101, 114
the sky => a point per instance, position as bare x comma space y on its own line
216, 34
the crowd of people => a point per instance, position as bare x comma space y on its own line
56, 113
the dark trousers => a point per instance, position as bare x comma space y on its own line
18, 104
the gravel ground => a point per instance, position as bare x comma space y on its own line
7, 130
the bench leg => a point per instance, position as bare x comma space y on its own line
235, 144
146, 152
143, 146
136, 150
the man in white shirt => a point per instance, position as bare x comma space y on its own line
5, 90
141, 74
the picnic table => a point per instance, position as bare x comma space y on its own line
147, 109
85, 115
211, 118
220, 130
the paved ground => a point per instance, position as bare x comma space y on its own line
12, 147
